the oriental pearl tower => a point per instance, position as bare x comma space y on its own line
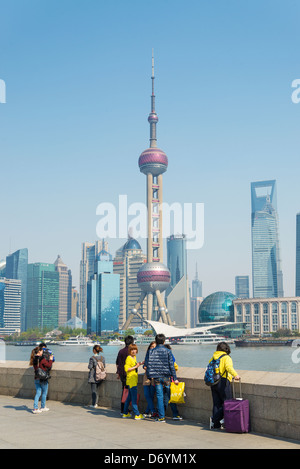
153, 277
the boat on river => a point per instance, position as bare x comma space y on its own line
115, 342
79, 340
263, 343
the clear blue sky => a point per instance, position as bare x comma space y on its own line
75, 122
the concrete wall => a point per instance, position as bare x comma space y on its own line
274, 397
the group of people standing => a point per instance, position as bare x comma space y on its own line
160, 370
159, 366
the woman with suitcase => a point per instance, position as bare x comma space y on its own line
221, 391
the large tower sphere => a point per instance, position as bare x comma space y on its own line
153, 276
154, 161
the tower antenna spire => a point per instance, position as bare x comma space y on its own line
153, 119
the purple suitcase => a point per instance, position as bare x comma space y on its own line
236, 414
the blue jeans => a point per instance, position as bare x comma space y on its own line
41, 389
149, 392
132, 396
162, 387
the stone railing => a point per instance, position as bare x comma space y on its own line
274, 397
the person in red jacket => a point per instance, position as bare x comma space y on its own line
37, 360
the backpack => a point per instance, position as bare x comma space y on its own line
212, 375
100, 372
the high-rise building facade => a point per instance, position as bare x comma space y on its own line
65, 291
298, 254
16, 268
176, 258
177, 293
196, 286
103, 297
75, 303
127, 262
196, 299
242, 286
89, 252
42, 296
266, 262
10, 306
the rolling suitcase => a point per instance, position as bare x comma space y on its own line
236, 413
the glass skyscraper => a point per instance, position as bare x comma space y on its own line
103, 296
42, 296
16, 268
10, 306
298, 254
242, 286
266, 263
177, 260
177, 293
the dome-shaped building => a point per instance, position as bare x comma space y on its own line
217, 307
132, 245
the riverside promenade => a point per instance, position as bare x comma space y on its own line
74, 426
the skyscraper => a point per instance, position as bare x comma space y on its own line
65, 291
89, 253
16, 268
42, 296
127, 262
10, 306
242, 286
196, 286
266, 263
177, 293
298, 254
153, 277
103, 296
196, 299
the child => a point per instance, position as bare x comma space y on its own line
131, 367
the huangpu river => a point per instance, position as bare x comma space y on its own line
281, 359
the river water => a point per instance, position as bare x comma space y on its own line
281, 359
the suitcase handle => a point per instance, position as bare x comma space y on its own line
233, 390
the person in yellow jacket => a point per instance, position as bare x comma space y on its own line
131, 368
222, 390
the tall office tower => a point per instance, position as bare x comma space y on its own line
89, 252
177, 258
153, 277
196, 299
177, 293
127, 262
242, 286
16, 268
266, 263
42, 296
74, 303
65, 291
298, 254
103, 297
10, 306
196, 286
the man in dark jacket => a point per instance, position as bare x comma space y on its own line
120, 362
159, 365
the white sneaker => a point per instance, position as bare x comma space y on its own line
44, 409
36, 411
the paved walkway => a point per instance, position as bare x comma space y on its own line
69, 426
